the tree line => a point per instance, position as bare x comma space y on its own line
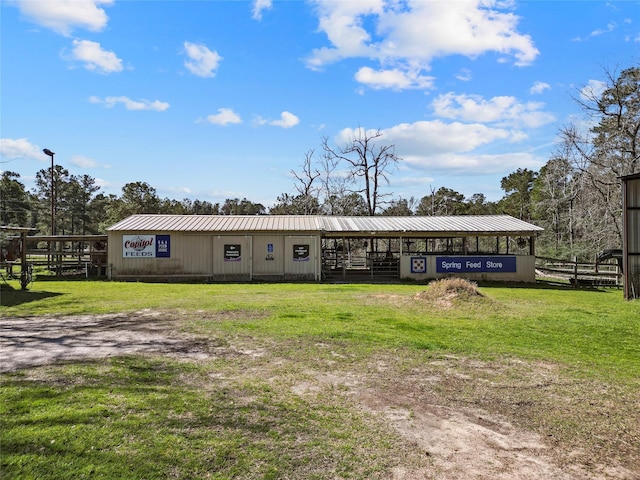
575, 196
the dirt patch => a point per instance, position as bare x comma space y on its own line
33, 341
460, 443
469, 419
505, 419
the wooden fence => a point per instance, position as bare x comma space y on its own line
60, 254
579, 274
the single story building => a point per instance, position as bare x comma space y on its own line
214, 248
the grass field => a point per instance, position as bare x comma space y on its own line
328, 381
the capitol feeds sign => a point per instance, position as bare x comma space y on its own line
146, 246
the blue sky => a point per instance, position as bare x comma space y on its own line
222, 99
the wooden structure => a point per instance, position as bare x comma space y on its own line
60, 254
65, 253
16, 253
581, 274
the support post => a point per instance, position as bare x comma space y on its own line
24, 269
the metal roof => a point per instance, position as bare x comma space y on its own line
329, 226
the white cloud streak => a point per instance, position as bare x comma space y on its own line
63, 16
225, 116
611, 26
17, 148
396, 79
95, 58
202, 61
539, 87
260, 6
439, 147
86, 162
130, 104
286, 120
501, 110
593, 90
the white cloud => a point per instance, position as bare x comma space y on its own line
396, 79
17, 148
95, 58
179, 190
129, 104
474, 164
258, 7
502, 110
287, 120
105, 184
611, 26
202, 61
258, 120
464, 75
440, 147
408, 35
412, 181
342, 23
438, 137
539, 87
225, 116
63, 16
434, 29
86, 162
593, 90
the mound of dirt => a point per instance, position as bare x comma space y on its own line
447, 291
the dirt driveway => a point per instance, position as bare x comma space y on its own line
465, 440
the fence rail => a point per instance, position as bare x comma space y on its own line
579, 273
60, 254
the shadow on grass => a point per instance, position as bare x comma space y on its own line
29, 341
12, 298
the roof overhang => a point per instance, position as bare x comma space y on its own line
330, 226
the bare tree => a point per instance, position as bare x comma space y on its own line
610, 149
554, 200
368, 164
308, 192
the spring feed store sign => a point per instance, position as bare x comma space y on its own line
146, 246
484, 264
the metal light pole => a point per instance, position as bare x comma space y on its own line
53, 203
53, 198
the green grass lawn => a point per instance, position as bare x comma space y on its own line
234, 415
594, 330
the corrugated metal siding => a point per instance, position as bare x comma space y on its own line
189, 255
481, 224
196, 253
297, 268
267, 262
240, 268
632, 236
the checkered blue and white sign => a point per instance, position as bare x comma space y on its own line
418, 265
